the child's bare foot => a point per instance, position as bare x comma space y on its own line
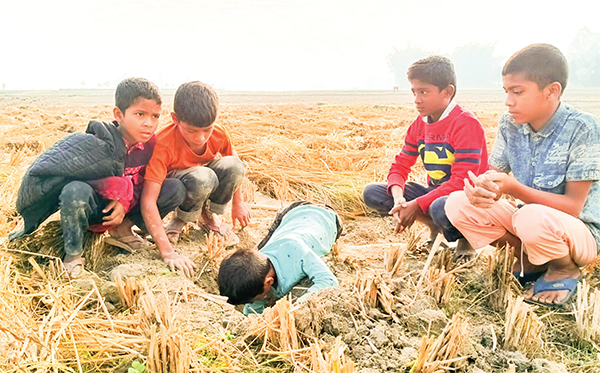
122, 236
557, 285
174, 229
464, 251
74, 265
213, 222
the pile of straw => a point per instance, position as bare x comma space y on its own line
500, 281
439, 284
277, 329
441, 354
587, 312
50, 324
306, 158
374, 291
47, 242
522, 328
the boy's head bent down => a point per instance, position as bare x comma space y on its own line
196, 105
534, 79
433, 83
245, 276
137, 109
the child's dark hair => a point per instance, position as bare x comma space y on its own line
542, 64
132, 89
242, 276
436, 70
196, 104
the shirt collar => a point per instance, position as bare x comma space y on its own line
446, 112
559, 116
139, 145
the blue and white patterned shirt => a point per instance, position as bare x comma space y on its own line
566, 149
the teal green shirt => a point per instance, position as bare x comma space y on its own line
305, 234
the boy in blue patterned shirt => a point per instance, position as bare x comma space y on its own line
553, 152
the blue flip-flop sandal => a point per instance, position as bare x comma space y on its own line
542, 285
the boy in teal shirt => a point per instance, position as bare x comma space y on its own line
291, 251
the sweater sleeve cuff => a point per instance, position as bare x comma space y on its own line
424, 202
395, 181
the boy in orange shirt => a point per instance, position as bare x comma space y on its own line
198, 154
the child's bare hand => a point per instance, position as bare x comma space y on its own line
181, 262
478, 194
399, 204
503, 182
116, 216
406, 216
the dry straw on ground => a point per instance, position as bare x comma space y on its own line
373, 290
500, 281
587, 312
277, 329
439, 284
394, 257
441, 354
522, 328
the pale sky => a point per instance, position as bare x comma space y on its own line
260, 44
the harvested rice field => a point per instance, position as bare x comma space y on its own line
399, 307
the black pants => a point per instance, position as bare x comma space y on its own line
81, 206
377, 198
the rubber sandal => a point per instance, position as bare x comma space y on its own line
128, 243
173, 235
231, 239
542, 285
74, 268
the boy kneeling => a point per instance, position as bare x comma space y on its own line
291, 251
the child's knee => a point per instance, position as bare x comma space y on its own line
76, 191
201, 181
376, 197
235, 167
368, 194
455, 206
173, 192
437, 212
533, 221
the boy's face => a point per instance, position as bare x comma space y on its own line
527, 103
429, 100
139, 121
195, 137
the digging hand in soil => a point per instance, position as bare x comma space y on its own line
181, 262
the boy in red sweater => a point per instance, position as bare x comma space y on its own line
450, 141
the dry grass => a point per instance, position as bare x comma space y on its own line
48, 242
215, 248
439, 284
322, 154
394, 257
500, 281
587, 312
441, 354
373, 290
522, 328
277, 329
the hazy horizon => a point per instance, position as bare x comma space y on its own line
263, 45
